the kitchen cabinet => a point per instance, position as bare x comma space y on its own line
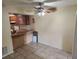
18, 39
27, 19
20, 19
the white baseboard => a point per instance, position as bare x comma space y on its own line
7, 54
50, 45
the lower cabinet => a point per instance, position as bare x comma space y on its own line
18, 41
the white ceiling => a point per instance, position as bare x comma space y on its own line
62, 3
24, 5
53, 3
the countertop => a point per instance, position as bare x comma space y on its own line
19, 33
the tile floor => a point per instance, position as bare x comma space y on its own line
38, 51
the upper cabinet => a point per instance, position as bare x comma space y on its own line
20, 19
12, 18
26, 19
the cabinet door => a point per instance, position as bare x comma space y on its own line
18, 41
12, 19
27, 19
19, 19
23, 19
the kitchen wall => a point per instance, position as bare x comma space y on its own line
6, 34
57, 29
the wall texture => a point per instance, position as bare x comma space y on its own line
6, 34
57, 29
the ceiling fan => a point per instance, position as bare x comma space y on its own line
41, 9
39, 5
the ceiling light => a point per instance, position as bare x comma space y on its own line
38, 0
41, 14
11, 15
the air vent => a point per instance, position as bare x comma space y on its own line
4, 50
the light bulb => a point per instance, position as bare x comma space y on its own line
41, 14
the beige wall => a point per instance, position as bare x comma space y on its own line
57, 29
6, 34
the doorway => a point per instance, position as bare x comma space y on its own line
21, 26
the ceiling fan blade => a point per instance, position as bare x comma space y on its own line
35, 2
27, 3
49, 1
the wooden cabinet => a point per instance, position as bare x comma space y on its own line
27, 19
20, 19
12, 19
18, 41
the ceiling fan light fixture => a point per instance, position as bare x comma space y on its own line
38, 0
40, 13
